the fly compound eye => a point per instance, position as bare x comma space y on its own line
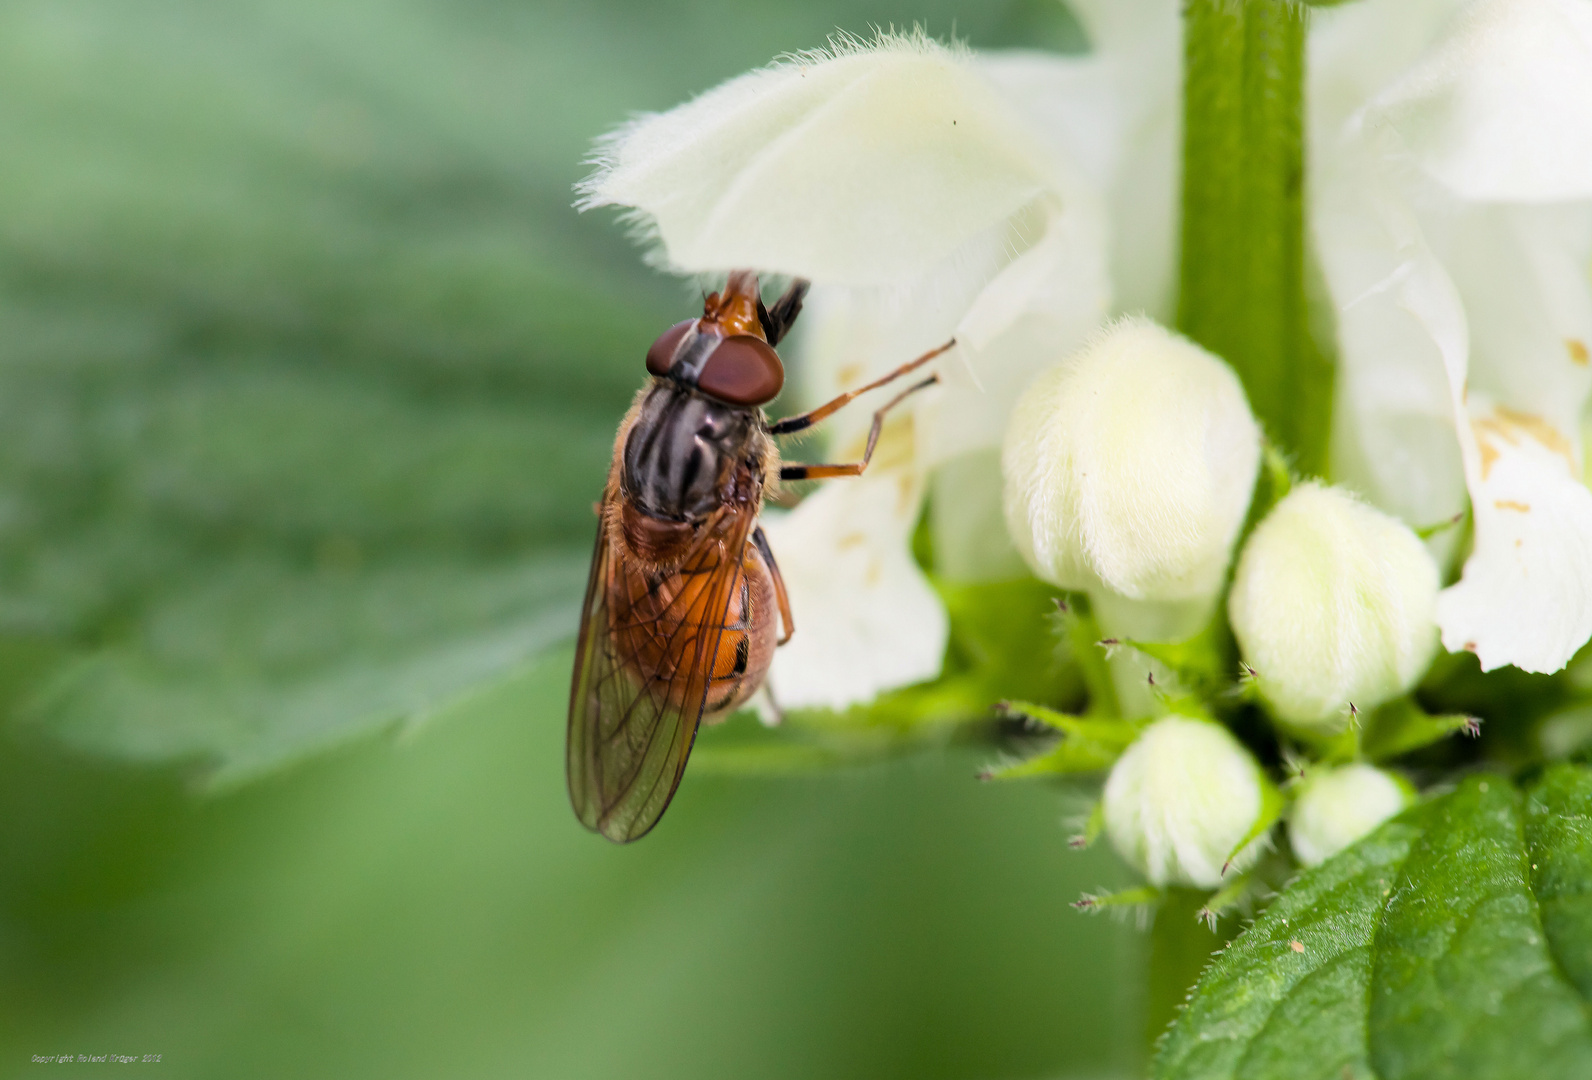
661, 356
743, 370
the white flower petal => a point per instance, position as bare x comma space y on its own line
847, 337
861, 166
867, 619
1036, 311
1121, 26
970, 539
1526, 594
1009, 321
1502, 108
1116, 116
1356, 50
1402, 343
1072, 100
1522, 272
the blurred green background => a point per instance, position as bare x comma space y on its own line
308, 376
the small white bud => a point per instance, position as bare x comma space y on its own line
1181, 799
1335, 807
1333, 604
1128, 467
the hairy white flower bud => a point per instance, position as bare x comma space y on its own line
1128, 466
1181, 799
1333, 604
1335, 807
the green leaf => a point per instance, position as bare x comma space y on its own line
1202, 661
1462, 976
1270, 1009
258, 664
1422, 951
309, 375
1402, 726
1559, 838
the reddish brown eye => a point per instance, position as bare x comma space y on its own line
742, 371
661, 355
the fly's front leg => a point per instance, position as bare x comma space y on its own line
780, 595
803, 421
855, 468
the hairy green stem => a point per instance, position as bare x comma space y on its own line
1242, 296
1241, 284
1181, 945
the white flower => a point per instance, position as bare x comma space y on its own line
1335, 807
1332, 603
1129, 466
905, 182
814, 165
1016, 200
1450, 200
855, 590
1181, 799
1452, 206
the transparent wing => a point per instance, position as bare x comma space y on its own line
644, 666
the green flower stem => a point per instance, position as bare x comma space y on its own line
1181, 944
1242, 295
1241, 284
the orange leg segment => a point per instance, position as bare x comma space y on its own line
855, 468
803, 421
780, 595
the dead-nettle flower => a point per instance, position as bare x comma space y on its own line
1018, 200
1128, 467
869, 618
1451, 203
1332, 602
916, 186
1333, 808
1182, 799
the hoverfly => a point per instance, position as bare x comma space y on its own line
678, 627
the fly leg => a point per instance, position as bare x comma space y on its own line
855, 468
803, 421
780, 595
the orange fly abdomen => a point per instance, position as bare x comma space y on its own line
660, 628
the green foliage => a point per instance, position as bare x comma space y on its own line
1086, 745
304, 411
309, 372
1401, 726
1451, 942
1001, 639
431, 909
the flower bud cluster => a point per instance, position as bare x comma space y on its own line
1129, 468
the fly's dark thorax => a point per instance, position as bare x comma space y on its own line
687, 454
